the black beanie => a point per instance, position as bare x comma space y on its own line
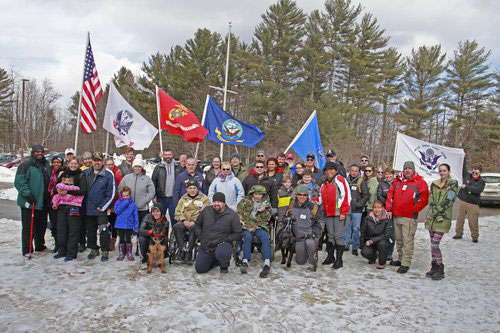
36, 148
219, 196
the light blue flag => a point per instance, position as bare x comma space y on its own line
308, 141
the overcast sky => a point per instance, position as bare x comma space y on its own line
46, 39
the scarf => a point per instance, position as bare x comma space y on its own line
52, 182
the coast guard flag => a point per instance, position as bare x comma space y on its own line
224, 128
126, 124
427, 157
308, 141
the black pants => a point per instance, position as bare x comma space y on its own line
92, 224
112, 220
370, 252
68, 230
141, 214
179, 230
82, 240
125, 235
53, 223
39, 228
205, 261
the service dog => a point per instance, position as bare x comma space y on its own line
156, 254
286, 242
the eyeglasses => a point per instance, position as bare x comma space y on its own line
364, 160
259, 167
475, 173
380, 172
309, 159
226, 169
260, 155
368, 170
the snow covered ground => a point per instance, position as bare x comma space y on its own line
45, 294
7, 175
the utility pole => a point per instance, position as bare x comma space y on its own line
22, 120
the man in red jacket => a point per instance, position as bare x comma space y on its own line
407, 196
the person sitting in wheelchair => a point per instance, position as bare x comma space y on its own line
305, 227
188, 208
255, 212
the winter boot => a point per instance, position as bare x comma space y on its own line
112, 243
338, 262
330, 259
105, 256
434, 269
265, 271
188, 257
130, 256
93, 253
244, 267
121, 251
439, 273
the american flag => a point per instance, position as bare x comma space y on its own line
91, 93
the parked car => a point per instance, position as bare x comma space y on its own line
12, 163
6, 158
491, 193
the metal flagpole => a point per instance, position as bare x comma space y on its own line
107, 142
81, 92
158, 113
225, 81
202, 124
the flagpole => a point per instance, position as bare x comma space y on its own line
225, 81
202, 124
301, 130
107, 142
81, 92
395, 152
159, 126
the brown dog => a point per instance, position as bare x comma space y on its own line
156, 254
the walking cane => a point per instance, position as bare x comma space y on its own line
31, 231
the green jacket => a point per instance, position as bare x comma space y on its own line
32, 179
372, 189
245, 207
441, 205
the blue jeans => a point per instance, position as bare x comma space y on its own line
221, 256
263, 236
167, 203
352, 231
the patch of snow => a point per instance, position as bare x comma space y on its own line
7, 175
9, 194
45, 294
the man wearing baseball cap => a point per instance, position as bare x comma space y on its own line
331, 156
289, 159
310, 160
101, 190
407, 196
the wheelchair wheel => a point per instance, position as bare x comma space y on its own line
171, 248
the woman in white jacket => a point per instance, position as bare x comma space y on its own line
228, 184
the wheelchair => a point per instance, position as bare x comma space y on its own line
256, 243
176, 252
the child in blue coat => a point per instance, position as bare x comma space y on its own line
127, 220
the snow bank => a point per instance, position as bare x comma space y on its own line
10, 194
45, 294
7, 175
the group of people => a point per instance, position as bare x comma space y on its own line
360, 208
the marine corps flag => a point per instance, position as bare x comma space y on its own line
178, 119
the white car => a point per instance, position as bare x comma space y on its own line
491, 193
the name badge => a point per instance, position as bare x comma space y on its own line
353, 187
302, 216
404, 187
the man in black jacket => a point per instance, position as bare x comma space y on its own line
163, 178
468, 202
217, 227
260, 178
360, 196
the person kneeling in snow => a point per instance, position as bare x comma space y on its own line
146, 230
255, 212
305, 228
376, 233
217, 227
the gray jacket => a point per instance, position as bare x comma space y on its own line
143, 190
303, 221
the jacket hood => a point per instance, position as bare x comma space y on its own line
384, 215
259, 189
157, 206
353, 180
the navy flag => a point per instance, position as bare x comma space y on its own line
224, 128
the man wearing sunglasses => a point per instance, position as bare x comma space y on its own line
468, 202
261, 156
364, 161
310, 160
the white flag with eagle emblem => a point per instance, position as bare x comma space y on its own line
126, 124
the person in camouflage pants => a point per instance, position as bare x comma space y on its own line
255, 212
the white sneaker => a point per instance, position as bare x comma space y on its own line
29, 255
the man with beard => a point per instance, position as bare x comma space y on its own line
163, 179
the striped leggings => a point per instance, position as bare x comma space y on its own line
435, 251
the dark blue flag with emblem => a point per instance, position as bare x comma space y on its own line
224, 128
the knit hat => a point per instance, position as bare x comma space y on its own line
260, 151
235, 155
219, 196
138, 162
302, 189
157, 206
330, 165
191, 182
36, 148
409, 164
86, 155
59, 158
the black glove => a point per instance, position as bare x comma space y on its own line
31, 199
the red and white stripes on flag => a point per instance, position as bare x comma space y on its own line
91, 92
